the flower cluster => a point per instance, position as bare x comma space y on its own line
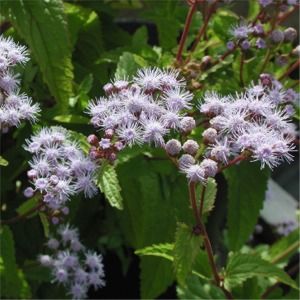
247, 35
142, 110
59, 169
14, 107
72, 265
255, 123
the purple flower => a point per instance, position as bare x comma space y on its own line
260, 43
230, 45
241, 31
173, 147
265, 3
245, 45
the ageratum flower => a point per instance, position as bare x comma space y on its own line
142, 110
71, 265
59, 168
255, 121
14, 106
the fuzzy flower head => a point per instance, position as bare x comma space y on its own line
14, 106
241, 31
141, 110
257, 121
59, 168
76, 268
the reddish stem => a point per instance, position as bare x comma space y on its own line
290, 69
233, 162
287, 14
22, 217
186, 30
202, 200
202, 30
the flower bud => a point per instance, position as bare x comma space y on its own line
245, 45
93, 140
277, 36
173, 147
210, 135
28, 192
190, 147
296, 51
108, 88
266, 79
109, 133
32, 174
230, 45
187, 124
186, 160
290, 34
210, 167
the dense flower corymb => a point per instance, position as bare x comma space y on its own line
14, 107
142, 110
76, 268
59, 168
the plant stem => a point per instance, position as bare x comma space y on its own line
202, 200
185, 31
290, 69
267, 58
291, 271
203, 28
207, 244
287, 14
242, 69
288, 250
233, 162
22, 217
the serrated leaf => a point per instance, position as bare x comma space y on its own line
243, 266
43, 26
187, 246
109, 185
13, 283
154, 198
247, 185
161, 250
127, 65
3, 162
210, 195
198, 289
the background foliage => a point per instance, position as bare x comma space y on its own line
76, 47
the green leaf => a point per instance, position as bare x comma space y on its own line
3, 162
127, 65
109, 185
13, 283
285, 247
209, 196
187, 246
27, 205
246, 192
155, 198
160, 250
71, 119
198, 289
243, 266
43, 26
45, 223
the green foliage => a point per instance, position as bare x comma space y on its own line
243, 266
198, 289
284, 248
3, 162
247, 185
43, 26
13, 283
209, 196
186, 249
109, 185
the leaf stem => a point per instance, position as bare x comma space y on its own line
270, 289
203, 28
242, 69
185, 31
290, 69
22, 217
207, 243
286, 252
202, 200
